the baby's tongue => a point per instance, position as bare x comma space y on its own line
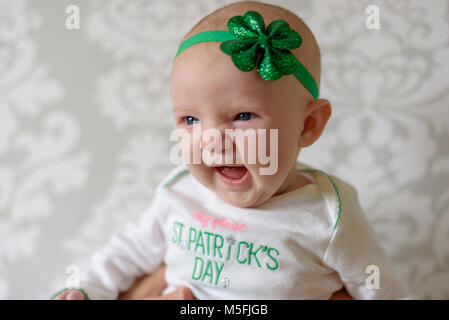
233, 172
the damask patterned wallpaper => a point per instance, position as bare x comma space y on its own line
85, 122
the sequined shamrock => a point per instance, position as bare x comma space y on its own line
252, 38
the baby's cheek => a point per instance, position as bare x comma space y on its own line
186, 148
244, 147
253, 146
268, 151
189, 146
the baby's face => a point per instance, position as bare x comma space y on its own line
207, 90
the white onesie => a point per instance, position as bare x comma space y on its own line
303, 244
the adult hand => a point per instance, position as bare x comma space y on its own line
150, 287
341, 295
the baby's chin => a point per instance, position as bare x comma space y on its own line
251, 197
240, 199
245, 193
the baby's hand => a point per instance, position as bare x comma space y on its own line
70, 294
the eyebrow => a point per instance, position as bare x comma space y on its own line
259, 108
182, 109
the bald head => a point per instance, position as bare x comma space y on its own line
308, 53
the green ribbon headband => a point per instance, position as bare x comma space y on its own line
247, 37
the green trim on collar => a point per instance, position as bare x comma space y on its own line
334, 185
70, 288
176, 176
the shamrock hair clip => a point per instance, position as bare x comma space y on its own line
247, 38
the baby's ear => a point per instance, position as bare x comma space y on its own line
316, 115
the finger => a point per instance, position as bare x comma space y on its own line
182, 293
159, 280
148, 287
75, 295
61, 296
341, 295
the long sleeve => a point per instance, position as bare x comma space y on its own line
137, 250
353, 247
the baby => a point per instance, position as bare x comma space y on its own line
243, 230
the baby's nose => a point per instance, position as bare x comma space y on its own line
215, 140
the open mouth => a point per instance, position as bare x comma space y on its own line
234, 176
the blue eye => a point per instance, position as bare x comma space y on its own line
190, 120
244, 116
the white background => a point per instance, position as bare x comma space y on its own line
85, 122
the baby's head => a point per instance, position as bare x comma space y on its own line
207, 89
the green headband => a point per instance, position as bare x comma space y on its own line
247, 37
